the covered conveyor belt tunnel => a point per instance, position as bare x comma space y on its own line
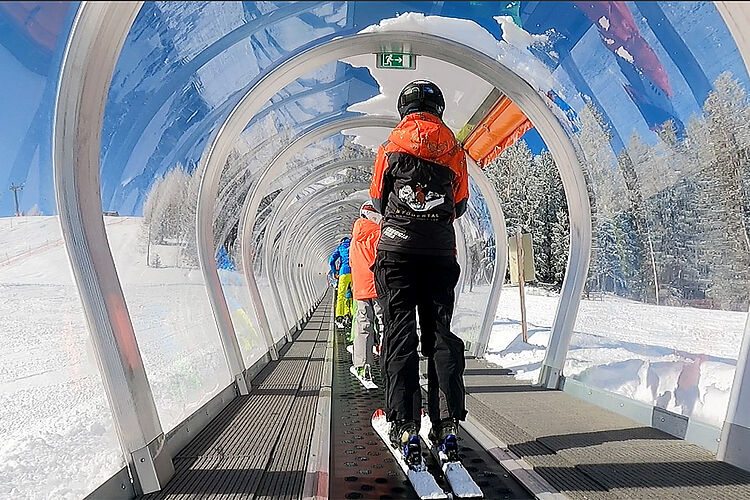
179, 173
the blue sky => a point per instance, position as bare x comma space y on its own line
152, 55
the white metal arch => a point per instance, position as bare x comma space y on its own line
318, 240
331, 221
491, 198
95, 43
252, 201
298, 229
292, 227
474, 61
281, 210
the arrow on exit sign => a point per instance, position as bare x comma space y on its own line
396, 60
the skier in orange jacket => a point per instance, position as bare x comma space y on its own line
362, 252
420, 185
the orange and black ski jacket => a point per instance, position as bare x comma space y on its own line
420, 185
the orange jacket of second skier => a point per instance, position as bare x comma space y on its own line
362, 250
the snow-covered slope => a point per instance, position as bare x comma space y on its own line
58, 439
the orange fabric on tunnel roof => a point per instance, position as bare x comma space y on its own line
503, 125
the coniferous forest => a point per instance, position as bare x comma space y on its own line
670, 212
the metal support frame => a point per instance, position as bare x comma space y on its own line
735, 433
317, 245
294, 285
313, 249
304, 250
290, 283
461, 257
293, 227
98, 34
317, 228
248, 215
207, 261
484, 186
501, 253
494, 72
288, 276
270, 236
281, 211
95, 43
232, 186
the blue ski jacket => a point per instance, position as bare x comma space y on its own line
342, 254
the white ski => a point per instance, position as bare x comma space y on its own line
420, 478
455, 473
368, 384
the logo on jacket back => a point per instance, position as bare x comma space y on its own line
392, 233
419, 200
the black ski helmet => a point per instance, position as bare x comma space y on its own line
421, 95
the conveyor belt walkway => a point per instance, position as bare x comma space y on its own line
361, 467
587, 452
259, 445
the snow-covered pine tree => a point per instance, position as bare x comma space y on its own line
558, 224
188, 239
721, 141
605, 271
538, 191
533, 198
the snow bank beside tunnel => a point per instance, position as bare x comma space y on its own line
678, 358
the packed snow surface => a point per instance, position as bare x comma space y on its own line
678, 358
58, 437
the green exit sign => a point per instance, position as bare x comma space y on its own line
396, 60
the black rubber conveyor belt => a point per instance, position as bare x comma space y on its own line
362, 467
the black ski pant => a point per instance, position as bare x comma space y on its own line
406, 283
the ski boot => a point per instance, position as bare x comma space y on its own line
444, 435
404, 435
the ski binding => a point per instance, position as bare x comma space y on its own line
421, 479
455, 473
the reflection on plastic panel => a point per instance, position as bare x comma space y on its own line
58, 433
166, 297
59, 439
476, 281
